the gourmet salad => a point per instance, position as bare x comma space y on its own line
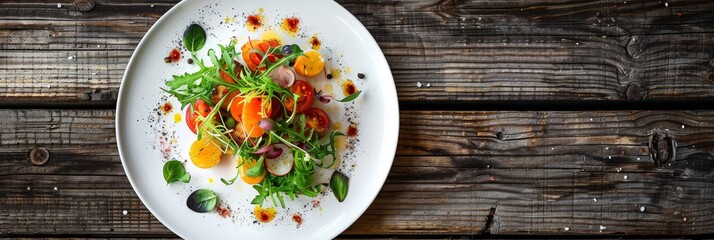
248, 101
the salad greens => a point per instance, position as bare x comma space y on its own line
225, 89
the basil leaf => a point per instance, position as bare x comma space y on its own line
194, 38
350, 97
174, 171
202, 200
339, 183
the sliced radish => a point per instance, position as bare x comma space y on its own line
281, 165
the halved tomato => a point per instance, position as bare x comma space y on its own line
199, 107
309, 65
317, 120
306, 96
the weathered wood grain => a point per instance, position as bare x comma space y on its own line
461, 50
528, 172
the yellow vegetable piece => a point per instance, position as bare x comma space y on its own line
244, 168
310, 64
204, 153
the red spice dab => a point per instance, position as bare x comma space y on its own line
315, 203
174, 56
352, 131
253, 22
315, 42
291, 25
297, 219
167, 107
223, 212
264, 215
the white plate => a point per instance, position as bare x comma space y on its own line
140, 125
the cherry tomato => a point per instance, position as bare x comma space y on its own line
199, 107
306, 94
310, 64
317, 120
252, 52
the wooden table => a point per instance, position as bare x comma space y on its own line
535, 117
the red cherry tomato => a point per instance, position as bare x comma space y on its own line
199, 107
306, 94
317, 120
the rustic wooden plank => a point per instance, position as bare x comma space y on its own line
457, 50
498, 173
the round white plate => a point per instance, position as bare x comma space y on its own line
147, 137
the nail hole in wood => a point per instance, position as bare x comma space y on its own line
663, 148
84, 5
39, 156
633, 91
500, 135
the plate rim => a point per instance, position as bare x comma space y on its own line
390, 145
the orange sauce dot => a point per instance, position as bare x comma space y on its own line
167, 107
291, 25
315, 42
253, 22
264, 215
349, 88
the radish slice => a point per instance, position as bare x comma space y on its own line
280, 166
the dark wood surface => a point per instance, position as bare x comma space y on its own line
605, 167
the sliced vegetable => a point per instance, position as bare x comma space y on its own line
280, 166
253, 51
317, 120
200, 108
242, 171
252, 113
306, 96
236, 105
205, 153
283, 76
309, 65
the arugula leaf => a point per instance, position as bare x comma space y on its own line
351, 97
174, 171
194, 38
